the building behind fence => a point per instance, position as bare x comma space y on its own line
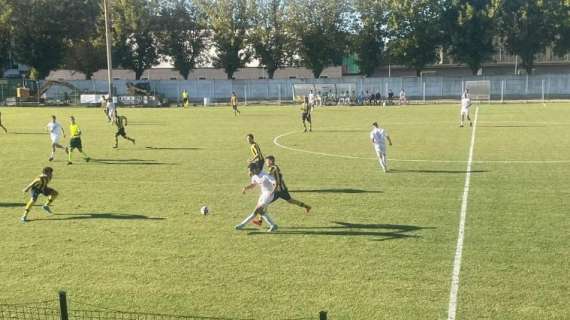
549, 86
63, 308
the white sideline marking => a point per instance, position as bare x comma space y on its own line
452, 310
276, 142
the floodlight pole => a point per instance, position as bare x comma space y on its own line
107, 8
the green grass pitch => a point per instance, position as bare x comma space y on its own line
127, 233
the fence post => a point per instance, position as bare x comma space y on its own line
63, 305
542, 90
424, 92
323, 315
502, 91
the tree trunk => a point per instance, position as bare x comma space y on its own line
271, 72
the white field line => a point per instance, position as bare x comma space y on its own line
452, 309
277, 143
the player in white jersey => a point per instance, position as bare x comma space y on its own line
55, 131
312, 100
403, 99
267, 185
378, 137
465, 105
111, 110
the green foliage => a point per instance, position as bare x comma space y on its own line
182, 34
415, 32
368, 43
268, 36
562, 33
470, 30
320, 28
134, 41
526, 27
229, 21
5, 32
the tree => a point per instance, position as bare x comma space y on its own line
320, 30
182, 35
368, 43
470, 31
415, 32
268, 36
562, 33
229, 22
5, 33
40, 26
526, 28
134, 41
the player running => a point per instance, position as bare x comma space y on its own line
267, 185
311, 99
234, 103
37, 187
378, 137
75, 141
2, 126
111, 110
121, 122
256, 155
306, 114
55, 131
465, 105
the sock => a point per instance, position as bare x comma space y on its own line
50, 200
297, 203
384, 164
69, 156
248, 219
267, 219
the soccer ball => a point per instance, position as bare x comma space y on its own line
204, 210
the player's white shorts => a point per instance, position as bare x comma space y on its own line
380, 150
264, 200
464, 111
111, 113
54, 138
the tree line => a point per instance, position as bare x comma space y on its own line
52, 34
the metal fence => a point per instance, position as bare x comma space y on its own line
62, 309
546, 87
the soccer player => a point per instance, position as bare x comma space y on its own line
465, 105
185, 98
55, 130
234, 103
306, 114
37, 187
256, 155
111, 110
121, 122
2, 126
75, 141
281, 191
403, 99
267, 185
311, 99
378, 137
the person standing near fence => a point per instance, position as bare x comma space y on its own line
378, 137
465, 105
234, 103
403, 99
306, 114
312, 99
55, 130
1, 125
185, 101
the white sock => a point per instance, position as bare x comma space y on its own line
267, 219
248, 219
384, 164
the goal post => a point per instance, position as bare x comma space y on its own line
479, 90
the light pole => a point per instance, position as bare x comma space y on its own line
107, 8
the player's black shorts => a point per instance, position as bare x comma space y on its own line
75, 143
306, 116
121, 132
234, 106
283, 194
260, 164
35, 193
185, 100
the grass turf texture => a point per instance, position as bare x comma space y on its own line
128, 234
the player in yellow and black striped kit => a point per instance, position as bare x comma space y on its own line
37, 187
256, 155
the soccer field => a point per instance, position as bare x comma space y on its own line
127, 233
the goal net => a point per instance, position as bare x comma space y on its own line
479, 90
332, 90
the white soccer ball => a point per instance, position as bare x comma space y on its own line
204, 210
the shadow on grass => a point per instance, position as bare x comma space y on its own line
511, 126
102, 215
130, 162
174, 148
377, 232
11, 204
436, 171
339, 190
34, 133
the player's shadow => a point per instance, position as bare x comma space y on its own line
32, 133
436, 171
511, 126
129, 162
102, 215
172, 148
377, 232
11, 204
336, 190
